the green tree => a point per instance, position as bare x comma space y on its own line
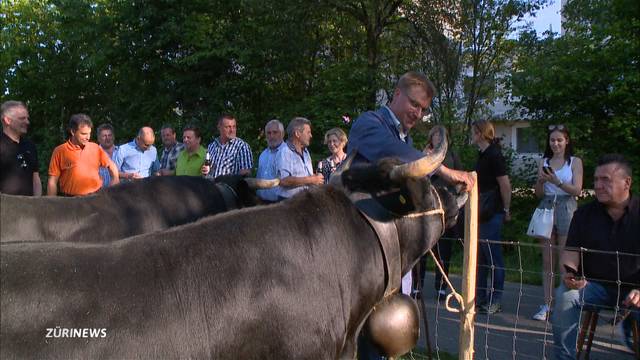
587, 79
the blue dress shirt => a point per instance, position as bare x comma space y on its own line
291, 163
132, 159
267, 170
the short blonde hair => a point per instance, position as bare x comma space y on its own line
413, 78
339, 133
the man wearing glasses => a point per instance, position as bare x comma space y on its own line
139, 158
385, 132
18, 156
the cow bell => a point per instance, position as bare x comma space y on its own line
394, 325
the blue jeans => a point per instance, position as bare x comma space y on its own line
568, 309
490, 262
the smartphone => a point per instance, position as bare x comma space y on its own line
548, 170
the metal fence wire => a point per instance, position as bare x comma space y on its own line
512, 333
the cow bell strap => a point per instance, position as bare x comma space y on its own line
385, 228
229, 196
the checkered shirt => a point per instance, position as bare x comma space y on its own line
229, 158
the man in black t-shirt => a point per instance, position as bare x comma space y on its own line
18, 156
608, 273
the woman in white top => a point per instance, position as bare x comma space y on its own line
559, 183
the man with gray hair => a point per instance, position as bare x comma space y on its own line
274, 133
293, 162
18, 156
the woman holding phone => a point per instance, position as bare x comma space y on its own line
559, 183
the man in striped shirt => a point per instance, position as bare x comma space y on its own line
229, 154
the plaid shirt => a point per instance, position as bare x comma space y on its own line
170, 156
229, 158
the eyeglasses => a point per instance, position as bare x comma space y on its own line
556, 127
426, 111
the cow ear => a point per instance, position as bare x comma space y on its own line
397, 202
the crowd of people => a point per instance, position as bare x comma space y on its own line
80, 167
609, 223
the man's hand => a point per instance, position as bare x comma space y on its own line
165, 172
633, 299
316, 179
465, 178
573, 281
456, 177
204, 170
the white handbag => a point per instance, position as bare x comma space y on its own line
541, 224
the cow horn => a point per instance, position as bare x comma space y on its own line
262, 183
425, 165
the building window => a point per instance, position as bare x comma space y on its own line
526, 141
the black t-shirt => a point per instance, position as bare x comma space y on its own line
592, 228
18, 162
490, 165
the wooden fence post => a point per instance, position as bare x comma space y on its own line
469, 274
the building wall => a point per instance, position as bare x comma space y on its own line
524, 163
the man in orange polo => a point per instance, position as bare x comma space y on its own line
75, 164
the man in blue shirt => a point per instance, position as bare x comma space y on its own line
385, 132
139, 158
106, 139
229, 154
274, 133
293, 162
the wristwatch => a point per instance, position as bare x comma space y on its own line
506, 210
560, 183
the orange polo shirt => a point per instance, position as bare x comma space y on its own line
77, 167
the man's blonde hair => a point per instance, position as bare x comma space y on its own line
413, 78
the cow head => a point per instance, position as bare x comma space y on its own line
406, 192
243, 188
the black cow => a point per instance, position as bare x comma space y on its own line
121, 211
295, 280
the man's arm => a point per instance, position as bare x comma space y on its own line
505, 193
52, 186
113, 171
570, 255
456, 177
166, 172
246, 160
571, 259
37, 184
284, 172
118, 160
374, 140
